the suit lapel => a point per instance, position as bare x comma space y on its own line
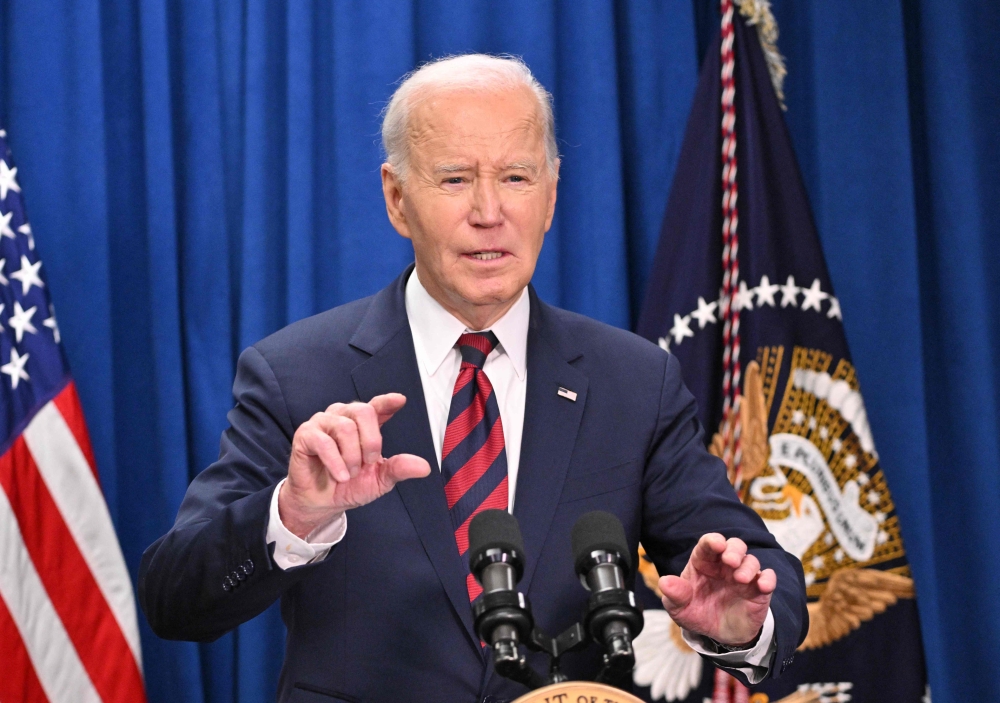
385, 334
551, 424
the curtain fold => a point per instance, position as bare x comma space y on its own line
199, 174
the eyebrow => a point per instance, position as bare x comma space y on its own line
460, 168
452, 168
522, 166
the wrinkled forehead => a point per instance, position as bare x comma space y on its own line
492, 125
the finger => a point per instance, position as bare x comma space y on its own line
402, 467
370, 437
709, 548
316, 442
345, 432
736, 549
677, 593
387, 405
748, 569
767, 581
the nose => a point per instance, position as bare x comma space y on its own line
487, 210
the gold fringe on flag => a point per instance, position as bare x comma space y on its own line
758, 14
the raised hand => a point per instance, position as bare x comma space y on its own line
336, 463
722, 593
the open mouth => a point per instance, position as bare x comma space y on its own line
486, 255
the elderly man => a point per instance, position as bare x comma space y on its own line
365, 438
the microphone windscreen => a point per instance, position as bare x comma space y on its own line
494, 529
599, 530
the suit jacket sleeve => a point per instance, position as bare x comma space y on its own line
221, 525
687, 494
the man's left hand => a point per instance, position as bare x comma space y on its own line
722, 593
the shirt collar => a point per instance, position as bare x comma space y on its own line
435, 330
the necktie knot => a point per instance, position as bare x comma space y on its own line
476, 346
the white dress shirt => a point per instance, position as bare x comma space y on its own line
435, 333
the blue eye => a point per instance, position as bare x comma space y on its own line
517, 179
454, 181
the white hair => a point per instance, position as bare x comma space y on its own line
464, 72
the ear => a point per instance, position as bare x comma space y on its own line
392, 191
551, 208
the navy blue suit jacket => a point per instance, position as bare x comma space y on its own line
386, 616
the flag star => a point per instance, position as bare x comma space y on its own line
3, 279
705, 312
15, 367
744, 297
8, 180
813, 296
765, 291
681, 328
5, 230
49, 322
834, 310
28, 275
663, 343
25, 229
789, 293
21, 320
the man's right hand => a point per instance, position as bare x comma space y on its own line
336, 463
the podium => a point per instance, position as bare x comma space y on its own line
578, 692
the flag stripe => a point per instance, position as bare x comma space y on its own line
73, 592
55, 660
68, 402
74, 489
19, 681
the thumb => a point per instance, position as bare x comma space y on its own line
403, 466
677, 593
387, 405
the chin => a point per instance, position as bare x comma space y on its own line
490, 292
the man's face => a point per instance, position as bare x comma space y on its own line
477, 200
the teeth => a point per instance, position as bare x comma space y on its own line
487, 255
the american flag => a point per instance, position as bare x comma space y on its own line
68, 630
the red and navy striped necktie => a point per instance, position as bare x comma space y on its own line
473, 457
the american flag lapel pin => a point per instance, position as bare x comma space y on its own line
566, 393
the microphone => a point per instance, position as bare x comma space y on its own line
603, 563
503, 615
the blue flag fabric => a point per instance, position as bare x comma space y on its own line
810, 467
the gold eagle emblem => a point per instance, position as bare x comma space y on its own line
851, 594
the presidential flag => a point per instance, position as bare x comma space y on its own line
68, 630
740, 294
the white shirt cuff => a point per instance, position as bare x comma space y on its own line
752, 663
291, 551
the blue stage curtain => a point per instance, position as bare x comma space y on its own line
200, 173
